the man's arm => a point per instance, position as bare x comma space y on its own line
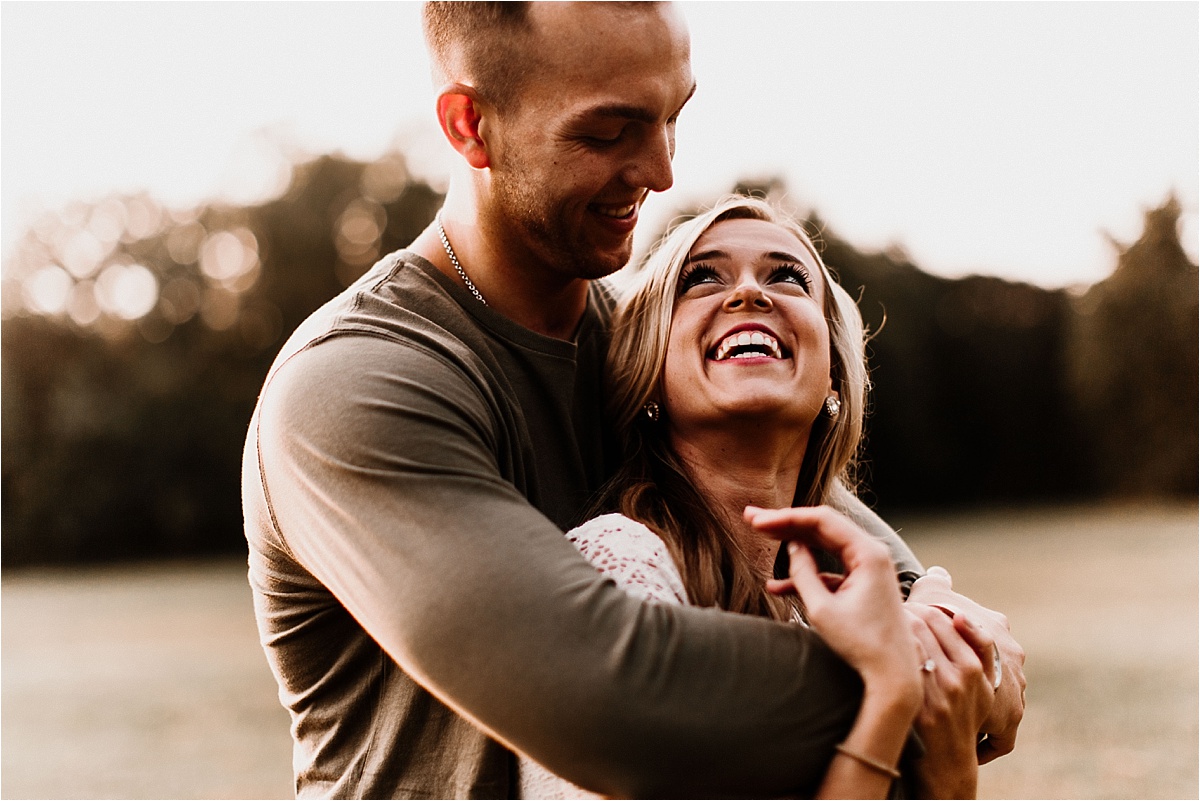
384, 485
935, 589
908, 567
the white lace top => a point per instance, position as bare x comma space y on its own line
634, 557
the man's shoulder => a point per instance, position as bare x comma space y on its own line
398, 302
399, 298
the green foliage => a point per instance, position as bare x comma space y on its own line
122, 438
969, 403
1133, 357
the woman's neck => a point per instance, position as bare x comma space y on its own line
736, 472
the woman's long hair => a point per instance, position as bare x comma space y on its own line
652, 486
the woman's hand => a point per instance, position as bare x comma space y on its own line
861, 617
860, 614
958, 698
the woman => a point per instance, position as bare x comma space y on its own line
738, 385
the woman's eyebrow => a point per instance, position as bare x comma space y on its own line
780, 255
716, 253
707, 254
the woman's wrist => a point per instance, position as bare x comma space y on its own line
865, 763
885, 717
894, 692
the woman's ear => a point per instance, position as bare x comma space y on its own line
832, 405
459, 114
835, 380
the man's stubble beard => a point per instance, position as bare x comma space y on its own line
546, 234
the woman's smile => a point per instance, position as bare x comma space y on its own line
748, 342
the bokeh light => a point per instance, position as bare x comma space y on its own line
127, 291
144, 219
183, 242
47, 290
230, 259
81, 251
83, 307
258, 171
179, 300
384, 180
107, 221
219, 308
357, 234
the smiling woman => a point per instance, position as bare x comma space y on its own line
737, 382
740, 272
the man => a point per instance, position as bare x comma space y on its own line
424, 438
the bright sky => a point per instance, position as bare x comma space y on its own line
998, 138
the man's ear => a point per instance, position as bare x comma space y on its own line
459, 114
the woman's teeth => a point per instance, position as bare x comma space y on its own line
748, 344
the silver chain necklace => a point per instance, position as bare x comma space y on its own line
454, 260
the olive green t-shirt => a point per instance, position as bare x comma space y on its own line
408, 473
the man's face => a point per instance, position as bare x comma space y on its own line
589, 135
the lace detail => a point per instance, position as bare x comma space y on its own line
633, 556
537, 782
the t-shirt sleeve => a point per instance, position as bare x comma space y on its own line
908, 567
385, 483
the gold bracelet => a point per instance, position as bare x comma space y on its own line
870, 763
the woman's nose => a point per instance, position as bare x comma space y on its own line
747, 297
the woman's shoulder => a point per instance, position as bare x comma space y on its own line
612, 525
631, 554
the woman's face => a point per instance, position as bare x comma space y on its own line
748, 339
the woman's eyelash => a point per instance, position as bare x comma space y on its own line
700, 273
694, 274
796, 271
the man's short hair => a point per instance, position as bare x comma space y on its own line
480, 44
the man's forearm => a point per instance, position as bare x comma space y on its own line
625, 698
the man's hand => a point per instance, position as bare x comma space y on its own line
1000, 727
958, 699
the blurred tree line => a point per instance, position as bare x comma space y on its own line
135, 340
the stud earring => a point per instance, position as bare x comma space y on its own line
651, 410
833, 407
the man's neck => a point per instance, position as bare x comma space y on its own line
551, 305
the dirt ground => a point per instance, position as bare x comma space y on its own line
148, 681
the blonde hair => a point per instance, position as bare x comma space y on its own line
652, 486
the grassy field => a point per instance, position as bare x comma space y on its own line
148, 682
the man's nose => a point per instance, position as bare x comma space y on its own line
651, 166
747, 296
